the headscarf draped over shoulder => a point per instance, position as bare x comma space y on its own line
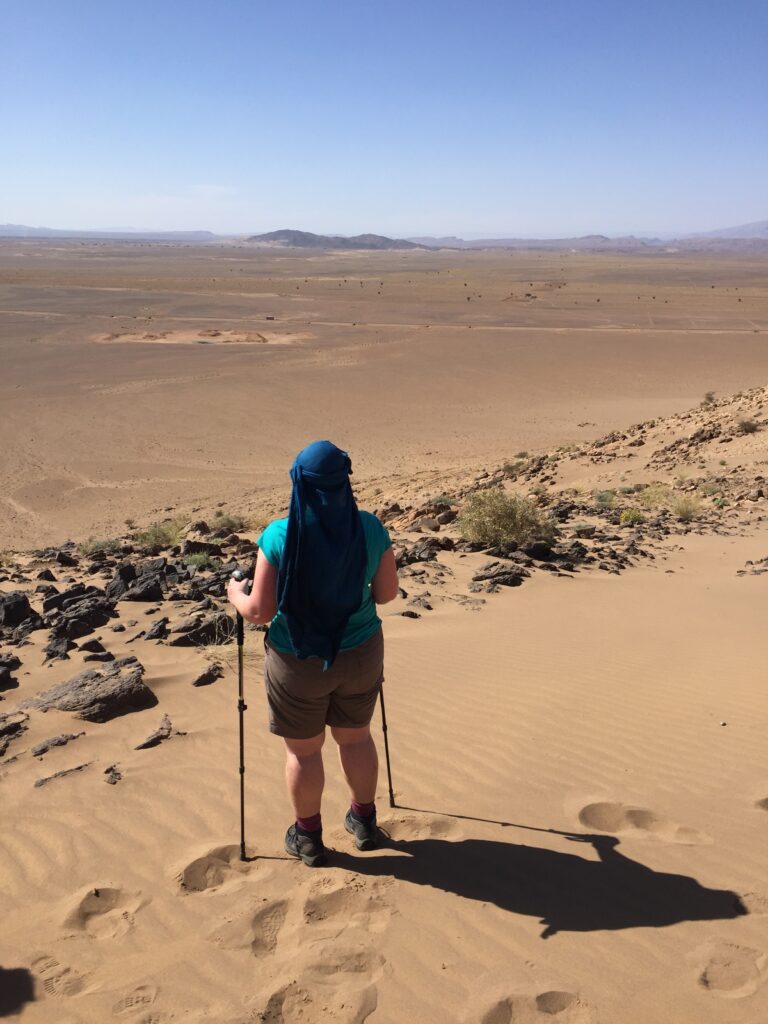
322, 569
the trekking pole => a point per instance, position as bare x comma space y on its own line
242, 707
386, 747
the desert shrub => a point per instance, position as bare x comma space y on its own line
654, 496
494, 517
225, 521
631, 516
748, 426
442, 499
202, 561
709, 488
686, 507
130, 523
605, 499
521, 455
92, 546
162, 535
708, 399
627, 490
513, 468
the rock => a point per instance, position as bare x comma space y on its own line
421, 602
8, 665
199, 526
446, 517
584, 529
502, 574
146, 588
55, 741
84, 615
121, 581
118, 628
157, 736
408, 614
209, 675
14, 608
637, 443
99, 695
158, 630
423, 550
539, 549
55, 600
92, 646
200, 547
101, 656
58, 645
426, 523
46, 574
113, 776
60, 775
65, 558
218, 628
12, 725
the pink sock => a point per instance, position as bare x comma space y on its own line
363, 810
311, 824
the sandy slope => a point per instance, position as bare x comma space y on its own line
580, 764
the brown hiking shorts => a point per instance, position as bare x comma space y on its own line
303, 699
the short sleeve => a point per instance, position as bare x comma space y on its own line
377, 540
272, 541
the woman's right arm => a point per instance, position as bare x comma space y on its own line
384, 585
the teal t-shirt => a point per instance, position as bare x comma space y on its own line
364, 622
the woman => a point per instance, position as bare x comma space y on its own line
319, 575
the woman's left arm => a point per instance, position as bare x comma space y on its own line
260, 606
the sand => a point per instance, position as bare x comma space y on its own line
579, 763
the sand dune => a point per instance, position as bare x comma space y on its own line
579, 761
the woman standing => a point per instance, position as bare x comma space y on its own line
319, 575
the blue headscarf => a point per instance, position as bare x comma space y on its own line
322, 568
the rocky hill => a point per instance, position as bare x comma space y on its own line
308, 240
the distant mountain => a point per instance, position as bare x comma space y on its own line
23, 231
308, 240
584, 242
758, 229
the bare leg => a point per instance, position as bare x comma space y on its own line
359, 762
304, 774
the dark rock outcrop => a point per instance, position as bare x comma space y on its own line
97, 695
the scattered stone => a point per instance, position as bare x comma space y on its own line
218, 628
118, 628
121, 581
65, 558
409, 614
98, 696
60, 775
501, 574
145, 588
200, 547
539, 549
57, 647
92, 646
100, 656
8, 665
12, 726
209, 675
55, 741
113, 775
46, 574
157, 736
14, 608
158, 630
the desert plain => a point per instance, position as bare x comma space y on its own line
577, 729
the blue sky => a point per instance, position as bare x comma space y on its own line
475, 119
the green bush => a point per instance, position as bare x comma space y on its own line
655, 495
224, 521
91, 546
605, 499
494, 517
162, 535
512, 468
708, 400
631, 516
202, 561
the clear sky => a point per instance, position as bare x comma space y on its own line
404, 117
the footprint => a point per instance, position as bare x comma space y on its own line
257, 931
614, 817
755, 902
357, 903
104, 913
426, 827
57, 980
733, 971
566, 1007
301, 1001
136, 1000
212, 869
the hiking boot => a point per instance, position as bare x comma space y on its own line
307, 846
365, 830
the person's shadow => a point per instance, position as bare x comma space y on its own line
16, 988
564, 891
